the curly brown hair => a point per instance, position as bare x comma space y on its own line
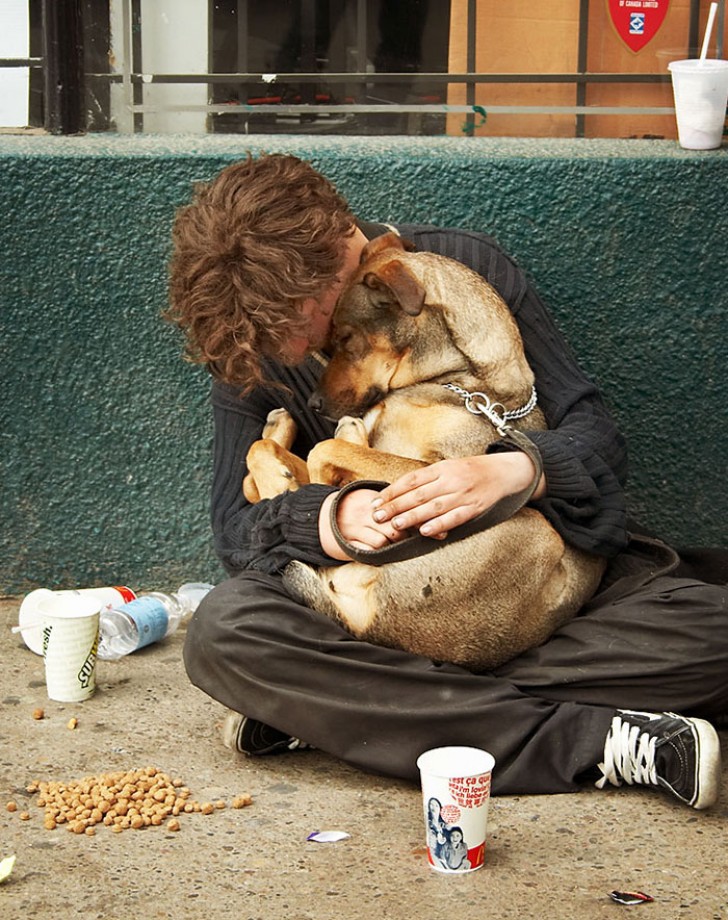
264, 235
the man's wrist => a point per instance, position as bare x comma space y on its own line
329, 543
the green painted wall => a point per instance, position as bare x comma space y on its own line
105, 432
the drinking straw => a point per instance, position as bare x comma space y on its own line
708, 31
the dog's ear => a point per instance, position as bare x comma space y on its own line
395, 285
385, 241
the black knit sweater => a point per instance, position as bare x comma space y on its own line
584, 456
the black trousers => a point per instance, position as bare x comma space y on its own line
648, 640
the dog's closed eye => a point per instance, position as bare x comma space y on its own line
351, 342
343, 337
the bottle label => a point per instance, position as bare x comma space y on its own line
151, 618
119, 594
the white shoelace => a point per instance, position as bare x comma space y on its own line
295, 744
629, 756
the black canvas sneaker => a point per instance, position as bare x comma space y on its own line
241, 733
664, 750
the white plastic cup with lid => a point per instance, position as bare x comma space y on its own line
700, 88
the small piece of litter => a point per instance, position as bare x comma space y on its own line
6, 867
327, 836
630, 897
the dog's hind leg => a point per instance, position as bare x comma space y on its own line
343, 593
305, 585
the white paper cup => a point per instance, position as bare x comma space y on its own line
455, 795
70, 640
700, 89
30, 617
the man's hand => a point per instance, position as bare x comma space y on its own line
355, 521
438, 497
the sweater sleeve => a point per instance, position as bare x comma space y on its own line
584, 455
264, 536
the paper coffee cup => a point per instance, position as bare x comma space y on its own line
455, 796
30, 620
700, 88
70, 628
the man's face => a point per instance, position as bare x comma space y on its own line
318, 311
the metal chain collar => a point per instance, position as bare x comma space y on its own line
496, 413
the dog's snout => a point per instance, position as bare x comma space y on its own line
316, 401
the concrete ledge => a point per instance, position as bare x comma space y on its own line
105, 431
234, 145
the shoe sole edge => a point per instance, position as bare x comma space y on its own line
710, 765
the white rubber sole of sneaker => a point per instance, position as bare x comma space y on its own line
709, 765
231, 728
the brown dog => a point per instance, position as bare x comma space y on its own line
407, 324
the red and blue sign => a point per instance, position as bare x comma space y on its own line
637, 21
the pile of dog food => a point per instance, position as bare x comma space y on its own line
122, 800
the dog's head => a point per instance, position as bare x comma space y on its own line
407, 318
373, 326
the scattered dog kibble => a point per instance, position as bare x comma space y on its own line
72, 723
132, 799
38, 714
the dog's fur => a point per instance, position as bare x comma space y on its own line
406, 324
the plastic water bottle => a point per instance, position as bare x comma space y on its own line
127, 627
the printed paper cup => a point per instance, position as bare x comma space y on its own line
70, 640
30, 617
455, 795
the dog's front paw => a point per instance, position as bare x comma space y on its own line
352, 430
280, 427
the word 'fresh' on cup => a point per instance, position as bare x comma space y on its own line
70, 641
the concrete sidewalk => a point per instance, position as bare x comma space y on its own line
548, 857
